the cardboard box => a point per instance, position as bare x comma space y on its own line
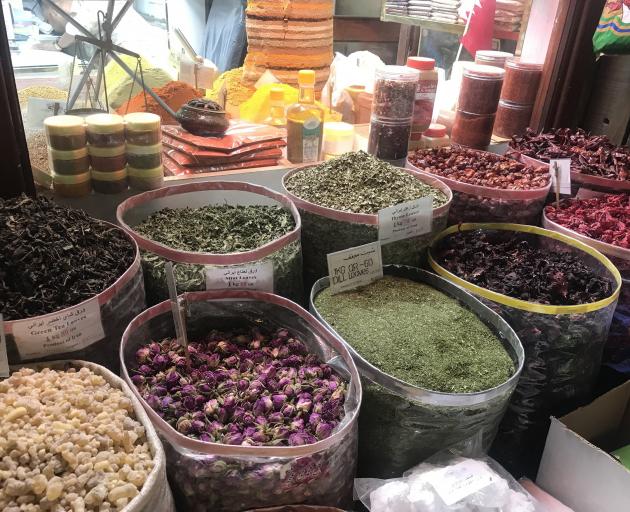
576, 466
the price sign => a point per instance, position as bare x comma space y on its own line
405, 220
355, 267
561, 175
252, 276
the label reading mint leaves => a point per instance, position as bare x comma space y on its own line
457, 482
256, 276
66, 331
311, 140
355, 267
405, 220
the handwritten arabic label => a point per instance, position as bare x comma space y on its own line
355, 267
251, 276
405, 220
66, 331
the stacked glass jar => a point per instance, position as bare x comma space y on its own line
392, 112
492, 58
144, 151
518, 95
477, 105
106, 135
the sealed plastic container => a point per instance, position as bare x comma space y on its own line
95, 332
72, 185
492, 58
563, 344
480, 89
107, 159
395, 92
192, 269
364, 107
155, 493
325, 231
512, 119
425, 93
472, 130
435, 137
477, 203
338, 139
521, 81
143, 129
389, 140
401, 424
69, 162
112, 182
213, 477
146, 179
105, 130
65, 133
144, 157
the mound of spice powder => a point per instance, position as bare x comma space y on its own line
480, 168
218, 229
515, 265
54, 257
359, 183
418, 334
247, 387
605, 218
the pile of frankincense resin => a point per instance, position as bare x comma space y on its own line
68, 442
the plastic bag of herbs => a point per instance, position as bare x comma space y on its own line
559, 295
402, 423
218, 235
69, 284
339, 201
284, 431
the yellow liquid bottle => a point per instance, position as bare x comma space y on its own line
277, 115
305, 123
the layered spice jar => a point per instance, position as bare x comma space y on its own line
143, 129
145, 179
112, 182
144, 157
107, 159
71, 162
65, 133
72, 185
105, 130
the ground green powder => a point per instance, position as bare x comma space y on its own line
419, 335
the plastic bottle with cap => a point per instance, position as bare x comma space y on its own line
338, 139
277, 114
305, 123
425, 97
435, 137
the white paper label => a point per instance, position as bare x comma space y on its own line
38, 109
587, 193
355, 267
455, 483
65, 331
561, 170
4, 358
405, 220
251, 276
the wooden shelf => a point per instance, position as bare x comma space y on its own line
441, 26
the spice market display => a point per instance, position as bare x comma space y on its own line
328, 282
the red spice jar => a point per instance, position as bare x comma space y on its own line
105, 130
512, 119
492, 58
521, 81
107, 159
472, 130
480, 89
425, 93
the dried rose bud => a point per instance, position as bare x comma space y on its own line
304, 404
323, 430
184, 425
301, 439
275, 417
263, 405
278, 401
138, 380
211, 407
143, 354
234, 439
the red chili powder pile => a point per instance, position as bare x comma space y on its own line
174, 94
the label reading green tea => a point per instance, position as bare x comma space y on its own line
406, 220
355, 267
250, 276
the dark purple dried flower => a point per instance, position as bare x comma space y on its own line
275, 417
233, 438
301, 439
278, 401
138, 380
304, 403
184, 425
323, 430
211, 407
263, 405
143, 354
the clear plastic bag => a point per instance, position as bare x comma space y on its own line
325, 231
563, 347
191, 268
155, 494
401, 424
475, 203
214, 477
447, 483
90, 330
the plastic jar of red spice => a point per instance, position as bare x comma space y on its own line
492, 58
395, 92
105, 130
480, 89
521, 81
65, 133
472, 130
110, 182
425, 92
512, 119
143, 129
77, 185
104, 159
69, 162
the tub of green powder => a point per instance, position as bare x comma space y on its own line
438, 366
339, 201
